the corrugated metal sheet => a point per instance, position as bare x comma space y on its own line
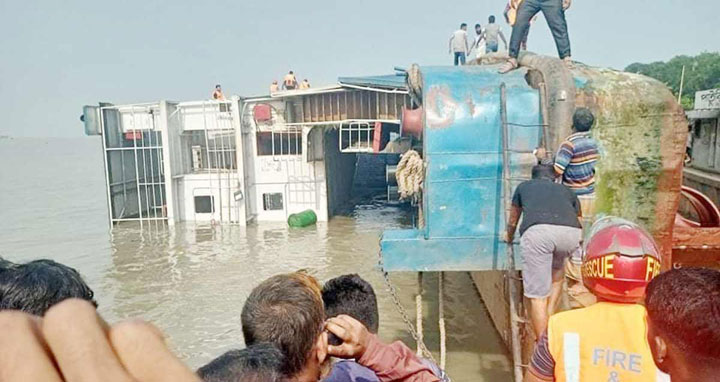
390, 81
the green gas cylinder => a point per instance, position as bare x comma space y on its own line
302, 219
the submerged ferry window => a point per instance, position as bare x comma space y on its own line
273, 201
204, 204
279, 143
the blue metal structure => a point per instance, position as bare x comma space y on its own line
462, 149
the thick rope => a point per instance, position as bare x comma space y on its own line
441, 320
419, 315
410, 175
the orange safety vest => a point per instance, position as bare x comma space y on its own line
603, 342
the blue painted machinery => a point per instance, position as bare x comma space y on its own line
463, 210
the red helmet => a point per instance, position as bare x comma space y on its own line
620, 259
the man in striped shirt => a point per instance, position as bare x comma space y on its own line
576, 158
575, 163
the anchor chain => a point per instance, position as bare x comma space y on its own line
401, 309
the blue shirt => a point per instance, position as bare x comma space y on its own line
351, 371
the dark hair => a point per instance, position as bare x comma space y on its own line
491, 19
463, 25
36, 286
583, 119
353, 296
4, 264
258, 363
291, 72
543, 171
217, 86
478, 26
287, 311
684, 306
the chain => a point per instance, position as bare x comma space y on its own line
402, 311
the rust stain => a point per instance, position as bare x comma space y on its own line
440, 107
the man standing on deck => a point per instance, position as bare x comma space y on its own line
550, 233
491, 34
554, 12
479, 43
575, 163
458, 45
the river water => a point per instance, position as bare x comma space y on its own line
192, 280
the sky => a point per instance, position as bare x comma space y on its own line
56, 56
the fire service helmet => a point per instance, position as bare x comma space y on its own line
619, 260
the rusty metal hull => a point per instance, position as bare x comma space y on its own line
641, 131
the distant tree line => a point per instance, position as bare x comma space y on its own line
702, 72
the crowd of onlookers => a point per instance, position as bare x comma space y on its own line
295, 329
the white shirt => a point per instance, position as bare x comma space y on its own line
459, 41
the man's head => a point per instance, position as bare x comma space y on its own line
258, 363
36, 286
217, 87
463, 26
683, 308
274, 82
478, 28
583, 119
491, 19
287, 311
291, 72
353, 296
543, 171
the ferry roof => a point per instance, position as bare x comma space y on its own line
383, 82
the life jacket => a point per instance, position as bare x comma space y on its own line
603, 342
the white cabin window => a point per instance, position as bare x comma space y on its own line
204, 204
273, 201
288, 142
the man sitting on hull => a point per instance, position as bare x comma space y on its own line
287, 310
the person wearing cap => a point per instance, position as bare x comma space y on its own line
605, 341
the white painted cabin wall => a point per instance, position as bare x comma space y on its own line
191, 185
302, 183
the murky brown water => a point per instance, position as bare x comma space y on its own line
192, 280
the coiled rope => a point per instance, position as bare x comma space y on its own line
410, 175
